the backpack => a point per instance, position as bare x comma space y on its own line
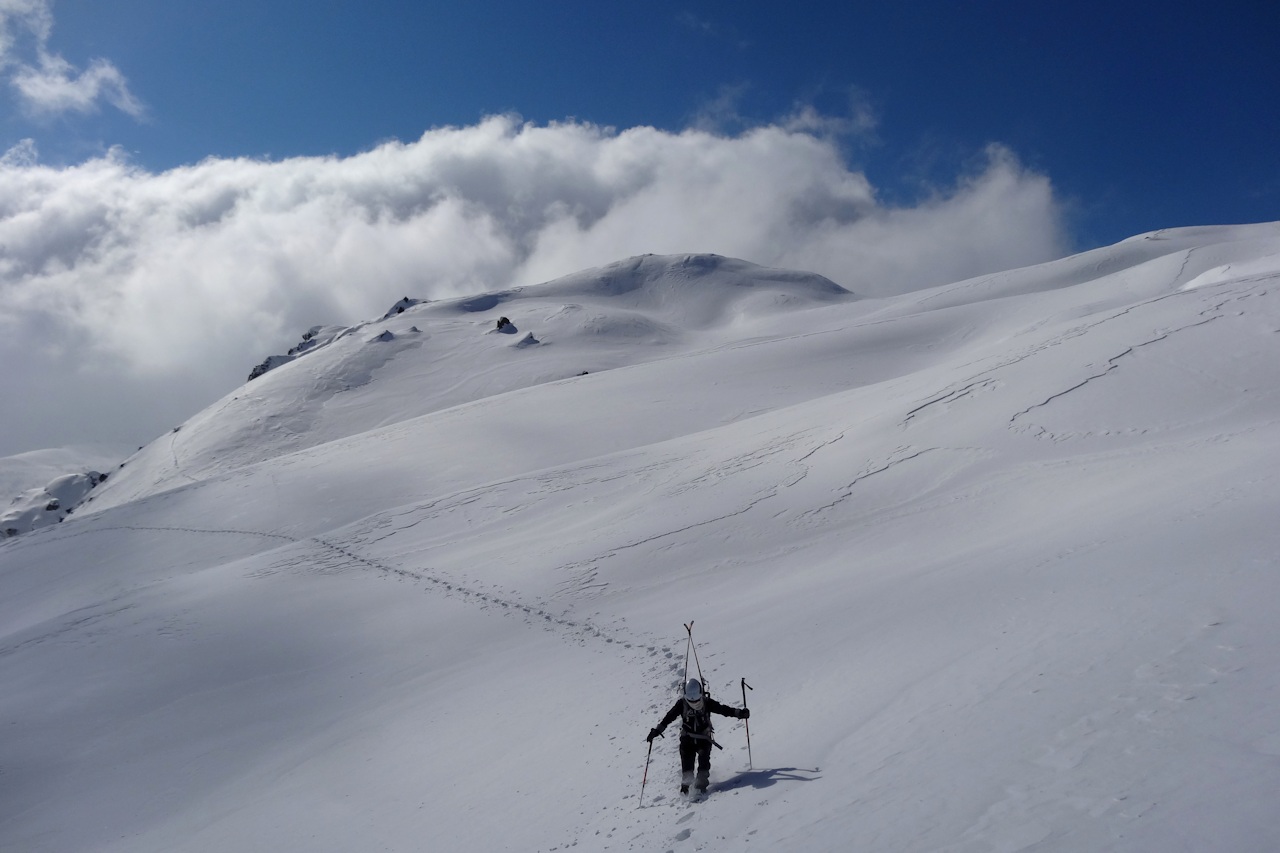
696, 722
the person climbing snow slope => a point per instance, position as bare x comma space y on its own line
697, 735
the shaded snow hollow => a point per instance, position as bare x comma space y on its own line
998, 558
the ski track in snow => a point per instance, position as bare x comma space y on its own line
1214, 312
983, 381
1112, 363
508, 603
622, 825
173, 453
847, 493
327, 555
79, 621
628, 824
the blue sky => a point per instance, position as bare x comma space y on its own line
1144, 115
186, 187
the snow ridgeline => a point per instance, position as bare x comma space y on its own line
432, 356
686, 290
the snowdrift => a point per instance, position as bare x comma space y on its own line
997, 557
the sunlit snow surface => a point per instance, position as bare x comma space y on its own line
999, 558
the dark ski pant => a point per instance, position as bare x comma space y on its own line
691, 748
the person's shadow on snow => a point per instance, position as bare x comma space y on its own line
766, 778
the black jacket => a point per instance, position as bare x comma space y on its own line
696, 724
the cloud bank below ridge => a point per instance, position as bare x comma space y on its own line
116, 281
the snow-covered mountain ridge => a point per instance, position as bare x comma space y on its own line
43, 486
432, 356
997, 558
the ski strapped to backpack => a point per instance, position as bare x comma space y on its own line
691, 646
689, 630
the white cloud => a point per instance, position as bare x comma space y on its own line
113, 274
33, 17
45, 82
55, 86
25, 153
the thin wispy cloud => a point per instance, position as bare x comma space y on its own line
115, 276
860, 119
719, 31
45, 82
722, 114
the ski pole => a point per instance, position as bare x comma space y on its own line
747, 723
646, 775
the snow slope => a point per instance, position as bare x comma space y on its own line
998, 559
430, 357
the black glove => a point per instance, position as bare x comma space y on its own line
745, 714
653, 733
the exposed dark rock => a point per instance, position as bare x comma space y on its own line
402, 306
271, 363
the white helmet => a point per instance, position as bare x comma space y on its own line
693, 690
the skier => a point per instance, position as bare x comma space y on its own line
696, 732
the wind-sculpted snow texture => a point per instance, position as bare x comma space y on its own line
999, 559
